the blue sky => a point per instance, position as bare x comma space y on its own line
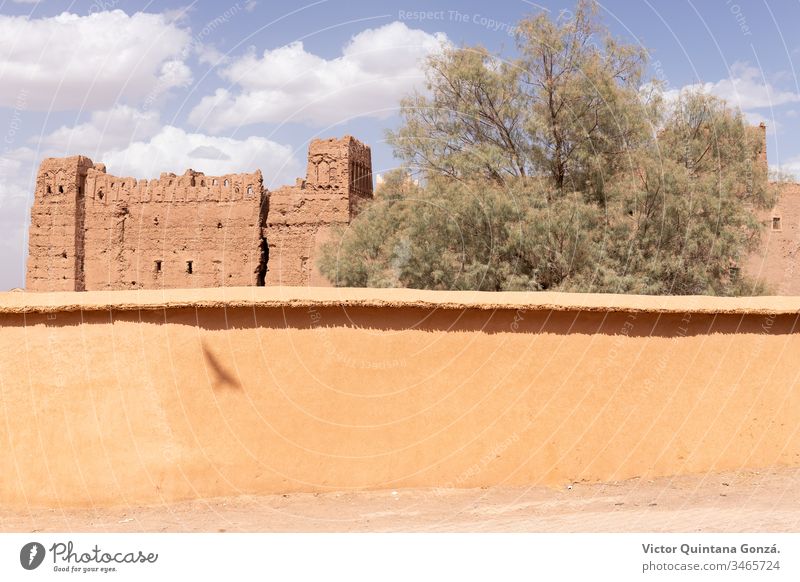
162, 86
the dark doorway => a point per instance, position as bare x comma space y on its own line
263, 259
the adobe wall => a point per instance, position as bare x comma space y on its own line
776, 262
301, 217
55, 245
94, 231
254, 391
176, 231
758, 133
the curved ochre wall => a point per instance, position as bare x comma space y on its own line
122, 398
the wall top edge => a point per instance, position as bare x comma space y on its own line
309, 297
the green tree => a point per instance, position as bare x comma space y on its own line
582, 96
688, 204
559, 169
567, 107
472, 123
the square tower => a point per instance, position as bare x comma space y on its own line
56, 236
341, 165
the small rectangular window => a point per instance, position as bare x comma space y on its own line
776, 223
189, 267
158, 266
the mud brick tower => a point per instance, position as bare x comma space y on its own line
93, 231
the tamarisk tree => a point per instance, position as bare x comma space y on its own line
561, 167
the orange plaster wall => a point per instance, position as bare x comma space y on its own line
116, 405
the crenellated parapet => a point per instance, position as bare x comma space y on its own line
91, 230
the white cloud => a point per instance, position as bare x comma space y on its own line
753, 118
17, 179
174, 150
208, 152
174, 73
108, 129
210, 55
791, 168
14, 216
377, 67
157, 150
746, 88
75, 62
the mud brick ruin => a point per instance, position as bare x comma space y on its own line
94, 231
91, 230
777, 260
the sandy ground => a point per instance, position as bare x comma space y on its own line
764, 501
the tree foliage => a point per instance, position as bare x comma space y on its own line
559, 169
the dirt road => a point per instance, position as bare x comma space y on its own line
765, 501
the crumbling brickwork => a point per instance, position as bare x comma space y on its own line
56, 250
93, 231
775, 263
338, 179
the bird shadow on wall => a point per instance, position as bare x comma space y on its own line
220, 377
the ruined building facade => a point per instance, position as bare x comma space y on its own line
775, 262
91, 230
